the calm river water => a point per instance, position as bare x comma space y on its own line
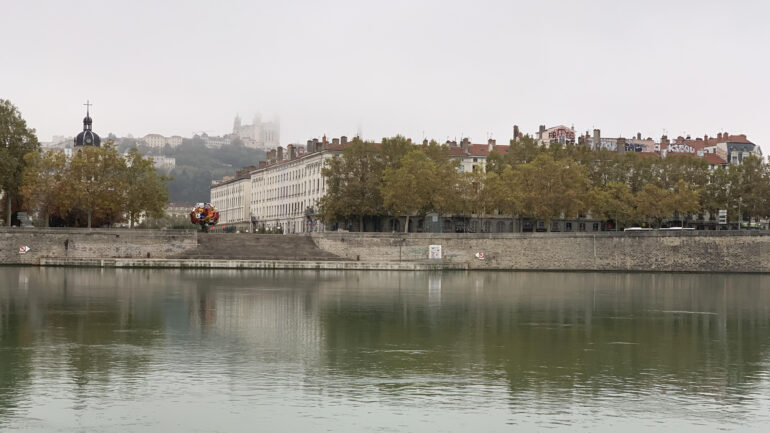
90, 350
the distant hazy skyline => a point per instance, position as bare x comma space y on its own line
435, 69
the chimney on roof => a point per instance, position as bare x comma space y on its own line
271, 156
465, 143
719, 136
491, 143
425, 142
279, 154
541, 131
705, 137
664, 142
291, 152
638, 135
344, 140
324, 138
515, 132
262, 164
621, 145
409, 140
335, 141
597, 139
310, 146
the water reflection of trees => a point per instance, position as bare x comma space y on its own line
74, 326
532, 332
554, 330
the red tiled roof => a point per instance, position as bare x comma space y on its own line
713, 158
478, 150
502, 150
456, 151
741, 138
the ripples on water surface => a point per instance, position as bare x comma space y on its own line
88, 350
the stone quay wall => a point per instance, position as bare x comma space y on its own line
91, 243
666, 251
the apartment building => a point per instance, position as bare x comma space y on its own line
231, 198
286, 188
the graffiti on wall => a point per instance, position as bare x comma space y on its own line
561, 135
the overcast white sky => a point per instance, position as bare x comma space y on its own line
439, 69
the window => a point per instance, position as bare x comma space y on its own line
555, 226
596, 227
582, 227
567, 227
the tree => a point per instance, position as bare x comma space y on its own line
44, 180
752, 188
552, 188
613, 201
353, 183
445, 185
16, 140
684, 199
505, 191
393, 150
144, 190
653, 203
716, 193
495, 163
95, 182
407, 190
522, 150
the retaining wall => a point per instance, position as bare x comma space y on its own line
677, 251
92, 243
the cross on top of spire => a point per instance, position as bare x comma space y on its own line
88, 105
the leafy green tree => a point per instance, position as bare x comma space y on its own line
444, 186
653, 203
552, 188
613, 201
16, 140
407, 190
44, 180
143, 189
716, 193
505, 190
475, 198
95, 182
496, 162
522, 150
684, 199
393, 150
354, 180
752, 188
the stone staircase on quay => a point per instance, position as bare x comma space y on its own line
243, 246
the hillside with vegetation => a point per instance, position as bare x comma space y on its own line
197, 165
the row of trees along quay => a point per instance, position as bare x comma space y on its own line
96, 185
398, 178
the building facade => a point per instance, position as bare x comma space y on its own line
286, 188
231, 198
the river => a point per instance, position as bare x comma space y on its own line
112, 350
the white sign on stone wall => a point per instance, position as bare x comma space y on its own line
434, 252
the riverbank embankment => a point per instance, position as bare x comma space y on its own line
660, 251
27, 246
657, 251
